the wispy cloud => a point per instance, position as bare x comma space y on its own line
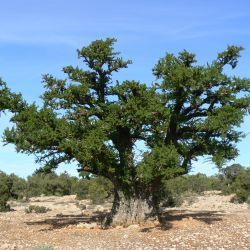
40, 39
69, 24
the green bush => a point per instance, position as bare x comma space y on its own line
193, 183
13, 187
81, 189
241, 186
175, 191
18, 187
35, 185
50, 184
187, 187
99, 189
43, 247
96, 189
231, 172
5, 191
64, 184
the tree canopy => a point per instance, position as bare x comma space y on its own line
191, 110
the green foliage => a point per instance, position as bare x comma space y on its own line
90, 118
167, 167
49, 184
36, 185
8, 100
193, 183
5, 192
241, 186
187, 187
18, 187
228, 176
43, 247
97, 189
36, 209
231, 172
81, 189
11, 187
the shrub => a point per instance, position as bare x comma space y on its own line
174, 199
5, 191
232, 171
80, 205
97, 189
18, 187
35, 185
64, 184
81, 189
36, 209
241, 186
50, 184
186, 188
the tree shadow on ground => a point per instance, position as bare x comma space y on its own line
167, 219
64, 220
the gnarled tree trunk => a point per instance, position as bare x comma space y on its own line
131, 209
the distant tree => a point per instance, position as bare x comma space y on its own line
97, 189
64, 184
241, 186
232, 171
50, 184
89, 118
5, 191
18, 187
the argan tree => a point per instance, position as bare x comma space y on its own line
89, 118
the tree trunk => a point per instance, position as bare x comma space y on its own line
131, 209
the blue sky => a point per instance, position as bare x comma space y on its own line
38, 37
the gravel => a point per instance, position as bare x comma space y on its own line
212, 222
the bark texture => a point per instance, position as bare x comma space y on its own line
133, 209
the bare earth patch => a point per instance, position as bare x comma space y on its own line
212, 222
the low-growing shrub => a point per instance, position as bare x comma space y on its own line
36, 209
177, 199
43, 247
80, 205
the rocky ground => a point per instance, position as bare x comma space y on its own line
211, 222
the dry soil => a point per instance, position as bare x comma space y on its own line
211, 222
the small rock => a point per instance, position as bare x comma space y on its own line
133, 226
99, 208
